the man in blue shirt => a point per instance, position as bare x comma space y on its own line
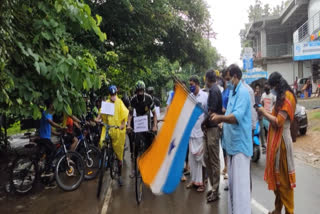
237, 140
45, 136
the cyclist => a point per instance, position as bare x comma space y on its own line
45, 138
141, 104
72, 124
156, 101
118, 119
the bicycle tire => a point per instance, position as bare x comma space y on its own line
90, 173
15, 187
139, 184
102, 170
78, 162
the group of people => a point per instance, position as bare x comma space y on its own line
230, 118
232, 112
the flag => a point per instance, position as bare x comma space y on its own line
161, 166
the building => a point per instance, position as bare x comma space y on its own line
277, 41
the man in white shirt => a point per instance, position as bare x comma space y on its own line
196, 142
267, 100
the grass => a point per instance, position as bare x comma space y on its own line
315, 115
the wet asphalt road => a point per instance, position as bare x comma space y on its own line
83, 200
307, 195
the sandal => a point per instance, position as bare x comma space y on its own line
183, 178
190, 185
209, 193
212, 198
201, 189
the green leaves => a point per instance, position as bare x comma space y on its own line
40, 58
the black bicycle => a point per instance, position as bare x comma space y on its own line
26, 169
108, 160
90, 154
140, 147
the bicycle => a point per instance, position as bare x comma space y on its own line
90, 154
27, 167
139, 148
108, 160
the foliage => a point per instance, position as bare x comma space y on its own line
40, 59
57, 49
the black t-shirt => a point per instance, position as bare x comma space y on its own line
142, 107
214, 103
156, 102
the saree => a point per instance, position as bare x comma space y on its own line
275, 137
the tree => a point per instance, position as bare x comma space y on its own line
39, 58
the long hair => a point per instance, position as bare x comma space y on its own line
281, 86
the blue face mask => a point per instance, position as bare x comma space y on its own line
193, 88
229, 85
273, 92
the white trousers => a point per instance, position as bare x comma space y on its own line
239, 197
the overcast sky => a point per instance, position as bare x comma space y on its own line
229, 17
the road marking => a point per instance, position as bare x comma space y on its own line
107, 200
259, 206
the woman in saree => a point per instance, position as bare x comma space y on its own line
280, 171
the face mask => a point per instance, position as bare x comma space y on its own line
140, 97
229, 85
273, 92
113, 98
192, 88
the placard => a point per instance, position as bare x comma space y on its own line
140, 124
157, 109
107, 108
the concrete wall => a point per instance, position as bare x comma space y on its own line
286, 69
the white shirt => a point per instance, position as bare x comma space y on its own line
254, 114
268, 101
202, 98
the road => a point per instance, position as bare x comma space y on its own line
83, 200
307, 195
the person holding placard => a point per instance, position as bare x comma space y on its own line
140, 107
114, 113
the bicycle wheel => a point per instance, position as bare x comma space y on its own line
24, 173
114, 166
91, 160
69, 172
102, 166
139, 184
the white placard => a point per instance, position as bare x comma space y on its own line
157, 109
107, 108
140, 124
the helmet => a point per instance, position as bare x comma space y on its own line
113, 90
150, 90
140, 85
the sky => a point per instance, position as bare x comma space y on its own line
228, 18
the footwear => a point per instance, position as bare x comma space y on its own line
201, 188
187, 172
51, 186
183, 178
133, 174
225, 177
213, 197
190, 185
47, 174
209, 193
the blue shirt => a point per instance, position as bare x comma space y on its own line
45, 127
237, 138
225, 97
